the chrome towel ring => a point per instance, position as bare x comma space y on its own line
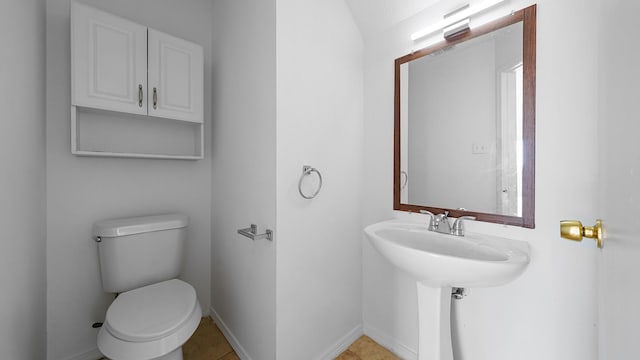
307, 170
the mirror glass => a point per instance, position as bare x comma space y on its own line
464, 125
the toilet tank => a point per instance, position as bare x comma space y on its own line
139, 251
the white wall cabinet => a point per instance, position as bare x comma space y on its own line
121, 66
175, 78
109, 61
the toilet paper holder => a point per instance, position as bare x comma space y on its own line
252, 233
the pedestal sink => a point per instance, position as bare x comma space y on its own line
439, 262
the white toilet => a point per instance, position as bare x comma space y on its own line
154, 313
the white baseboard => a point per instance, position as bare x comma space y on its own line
235, 344
395, 346
342, 344
93, 354
336, 349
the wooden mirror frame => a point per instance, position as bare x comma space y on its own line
528, 18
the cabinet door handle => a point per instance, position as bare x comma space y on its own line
155, 98
140, 95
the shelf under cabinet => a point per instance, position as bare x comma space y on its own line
134, 155
103, 133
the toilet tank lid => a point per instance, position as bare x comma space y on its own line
140, 224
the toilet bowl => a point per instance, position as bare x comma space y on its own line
150, 322
154, 313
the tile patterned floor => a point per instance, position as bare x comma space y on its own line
366, 349
208, 343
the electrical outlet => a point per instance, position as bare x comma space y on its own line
477, 148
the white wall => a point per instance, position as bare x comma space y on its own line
320, 114
550, 312
22, 180
309, 73
81, 190
243, 280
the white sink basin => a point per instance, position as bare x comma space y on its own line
442, 260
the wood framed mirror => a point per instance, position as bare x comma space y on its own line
464, 124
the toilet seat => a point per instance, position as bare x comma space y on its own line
151, 312
151, 321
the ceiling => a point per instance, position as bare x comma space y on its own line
374, 16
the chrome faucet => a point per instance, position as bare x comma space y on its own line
440, 223
458, 225
432, 225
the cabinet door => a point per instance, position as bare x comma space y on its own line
108, 61
176, 72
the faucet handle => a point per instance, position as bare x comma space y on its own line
432, 225
458, 227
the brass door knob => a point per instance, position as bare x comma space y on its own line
573, 230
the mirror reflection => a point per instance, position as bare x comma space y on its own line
476, 148
465, 124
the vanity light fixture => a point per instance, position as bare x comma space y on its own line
456, 29
456, 18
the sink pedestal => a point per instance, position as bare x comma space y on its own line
434, 323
